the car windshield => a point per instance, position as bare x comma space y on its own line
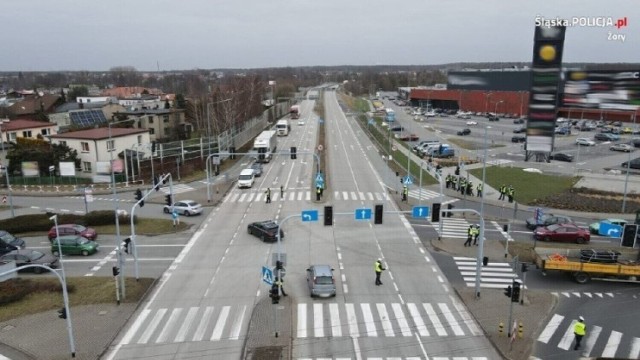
35, 255
7, 237
553, 227
79, 227
324, 280
83, 241
269, 225
244, 177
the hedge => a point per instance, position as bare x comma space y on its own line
41, 222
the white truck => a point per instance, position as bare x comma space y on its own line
283, 127
265, 145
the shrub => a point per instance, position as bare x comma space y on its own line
41, 222
105, 217
16, 289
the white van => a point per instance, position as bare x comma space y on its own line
246, 178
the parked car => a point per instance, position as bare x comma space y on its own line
31, 257
494, 118
321, 281
606, 137
519, 121
562, 233
464, 132
585, 142
548, 219
519, 129
265, 230
73, 229
518, 139
184, 207
621, 147
563, 130
635, 142
74, 245
627, 130
594, 228
560, 156
472, 123
257, 169
398, 128
634, 164
9, 242
409, 137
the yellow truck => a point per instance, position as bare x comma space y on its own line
590, 264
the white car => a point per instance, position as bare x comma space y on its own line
585, 142
472, 123
184, 207
300, 122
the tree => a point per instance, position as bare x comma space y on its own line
180, 102
166, 104
77, 91
42, 151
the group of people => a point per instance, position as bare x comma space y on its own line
463, 185
507, 193
472, 234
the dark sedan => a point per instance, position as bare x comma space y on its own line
9, 242
265, 230
464, 132
31, 257
561, 157
562, 233
398, 128
518, 139
519, 129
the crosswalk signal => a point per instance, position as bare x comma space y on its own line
156, 183
507, 291
274, 294
62, 313
127, 241
115, 270
435, 212
378, 214
328, 215
168, 200
232, 152
139, 197
515, 295
293, 153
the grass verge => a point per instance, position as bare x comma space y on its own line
529, 186
45, 294
144, 226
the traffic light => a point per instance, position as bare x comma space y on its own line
168, 200
274, 294
507, 291
139, 197
457, 172
232, 152
153, 146
127, 241
115, 270
524, 268
328, 215
62, 313
164, 181
377, 219
156, 183
435, 212
293, 153
515, 295
505, 228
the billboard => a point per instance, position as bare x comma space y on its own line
493, 80
67, 168
30, 168
602, 90
548, 44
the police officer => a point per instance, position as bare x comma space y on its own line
448, 180
503, 192
463, 185
318, 193
279, 284
470, 188
476, 233
479, 190
579, 330
405, 193
469, 236
268, 192
379, 269
511, 192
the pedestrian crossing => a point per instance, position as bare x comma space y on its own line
102, 199
423, 194
239, 196
177, 189
400, 358
586, 295
609, 344
453, 227
499, 162
314, 320
319, 320
496, 275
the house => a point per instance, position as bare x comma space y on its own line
25, 128
161, 123
76, 115
34, 105
94, 146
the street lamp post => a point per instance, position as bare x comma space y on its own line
6, 173
484, 178
626, 177
495, 112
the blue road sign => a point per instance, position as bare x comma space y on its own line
363, 214
371, 122
309, 215
611, 230
320, 121
420, 211
407, 180
267, 275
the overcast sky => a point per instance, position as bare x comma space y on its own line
206, 34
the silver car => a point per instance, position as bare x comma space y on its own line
184, 207
320, 281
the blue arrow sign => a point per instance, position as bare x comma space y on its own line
267, 275
420, 211
407, 180
309, 215
363, 214
608, 229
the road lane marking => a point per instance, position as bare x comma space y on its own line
136, 325
336, 329
151, 328
204, 323
352, 320
401, 319
237, 325
222, 319
591, 339
612, 345
182, 333
384, 320
168, 326
448, 315
567, 338
417, 319
434, 319
318, 329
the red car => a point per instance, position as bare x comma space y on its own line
73, 229
409, 137
562, 233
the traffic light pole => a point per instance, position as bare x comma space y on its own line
279, 261
65, 299
133, 225
208, 166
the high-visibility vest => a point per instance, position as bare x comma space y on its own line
579, 328
479, 187
512, 191
378, 266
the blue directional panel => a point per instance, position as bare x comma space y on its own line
267, 275
611, 230
420, 212
363, 214
309, 215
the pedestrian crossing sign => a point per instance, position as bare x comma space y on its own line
407, 180
267, 275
